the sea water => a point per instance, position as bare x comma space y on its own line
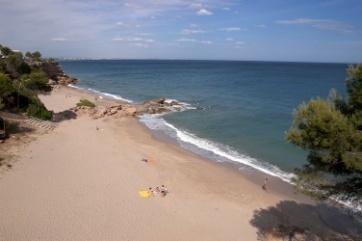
231, 111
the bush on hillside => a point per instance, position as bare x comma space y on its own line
85, 102
38, 111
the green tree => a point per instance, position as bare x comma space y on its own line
1, 103
36, 80
6, 85
15, 65
5, 51
29, 55
36, 55
331, 132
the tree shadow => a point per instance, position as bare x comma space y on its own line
17, 128
64, 115
289, 220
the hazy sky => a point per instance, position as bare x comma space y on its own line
276, 30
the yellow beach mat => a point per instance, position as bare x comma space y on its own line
144, 193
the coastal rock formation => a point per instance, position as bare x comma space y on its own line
161, 106
159, 110
64, 79
54, 71
52, 68
157, 106
103, 111
130, 111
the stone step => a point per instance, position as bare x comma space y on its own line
47, 125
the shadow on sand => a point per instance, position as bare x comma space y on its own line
64, 115
289, 220
17, 128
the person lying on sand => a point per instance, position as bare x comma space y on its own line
157, 191
164, 191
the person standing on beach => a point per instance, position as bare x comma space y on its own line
265, 183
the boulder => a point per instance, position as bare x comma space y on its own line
156, 102
160, 110
174, 103
130, 111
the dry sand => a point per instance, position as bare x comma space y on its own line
79, 183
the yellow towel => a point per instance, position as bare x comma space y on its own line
144, 193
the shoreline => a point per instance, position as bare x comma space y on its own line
165, 137
79, 183
254, 175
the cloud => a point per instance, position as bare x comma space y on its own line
145, 34
229, 39
239, 45
139, 45
194, 41
122, 24
323, 24
133, 39
204, 12
193, 25
59, 39
199, 31
196, 5
231, 29
186, 40
226, 9
133, 5
260, 26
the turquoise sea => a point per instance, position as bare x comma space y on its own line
232, 111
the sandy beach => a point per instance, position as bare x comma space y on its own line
78, 182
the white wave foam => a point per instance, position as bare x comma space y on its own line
75, 87
217, 150
116, 97
182, 105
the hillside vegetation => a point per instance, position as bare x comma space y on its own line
21, 79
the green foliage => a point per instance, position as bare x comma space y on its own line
29, 55
354, 88
6, 85
33, 56
37, 55
39, 111
332, 133
15, 59
15, 65
36, 80
85, 102
21, 81
5, 51
1, 103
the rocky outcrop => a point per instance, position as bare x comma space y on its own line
52, 68
104, 111
54, 71
64, 79
161, 106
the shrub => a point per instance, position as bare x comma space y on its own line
36, 80
39, 111
85, 102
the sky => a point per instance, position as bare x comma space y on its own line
250, 30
